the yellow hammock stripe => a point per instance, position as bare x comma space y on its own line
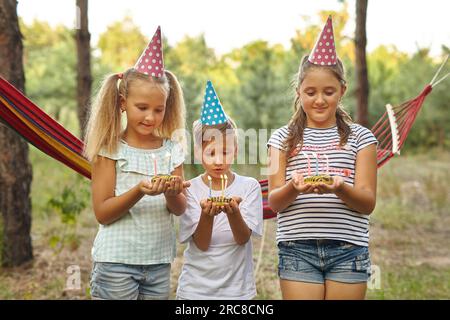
63, 150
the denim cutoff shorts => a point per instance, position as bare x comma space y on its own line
315, 261
118, 281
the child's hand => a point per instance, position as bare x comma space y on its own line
233, 206
175, 186
208, 208
153, 188
337, 184
300, 185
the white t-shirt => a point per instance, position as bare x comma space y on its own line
225, 270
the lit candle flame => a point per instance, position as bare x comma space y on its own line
317, 163
309, 163
154, 163
168, 155
210, 185
328, 163
226, 183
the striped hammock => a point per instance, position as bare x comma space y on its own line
38, 128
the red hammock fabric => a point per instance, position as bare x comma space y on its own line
391, 131
38, 128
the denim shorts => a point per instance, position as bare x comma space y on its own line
117, 281
315, 261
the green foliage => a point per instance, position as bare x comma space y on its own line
254, 82
72, 200
121, 44
70, 203
263, 87
50, 69
396, 78
192, 61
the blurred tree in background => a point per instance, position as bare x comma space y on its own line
121, 45
191, 60
84, 73
15, 168
50, 67
263, 88
254, 82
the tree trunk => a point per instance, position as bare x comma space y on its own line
15, 169
362, 81
84, 77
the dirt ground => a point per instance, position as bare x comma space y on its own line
63, 273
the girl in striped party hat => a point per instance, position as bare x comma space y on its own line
322, 182
224, 210
133, 204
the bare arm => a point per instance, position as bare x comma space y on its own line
282, 194
203, 232
241, 232
362, 196
108, 207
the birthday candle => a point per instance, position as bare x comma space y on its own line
154, 163
317, 163
221, 183
226, 182
309, 163
210, 185
328, 164
168, 156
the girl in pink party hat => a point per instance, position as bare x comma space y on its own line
323, 227
133, 204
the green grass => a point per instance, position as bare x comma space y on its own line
413, 191
394, 215
1, 239
5, 292
408, 282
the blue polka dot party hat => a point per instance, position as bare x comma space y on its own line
212, 111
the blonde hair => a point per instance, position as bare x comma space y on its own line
104, 126
297, 124
203, 134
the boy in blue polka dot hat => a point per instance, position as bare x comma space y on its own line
218, 261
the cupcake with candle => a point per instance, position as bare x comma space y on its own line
321, 178
314, 175
222, 199
166, 177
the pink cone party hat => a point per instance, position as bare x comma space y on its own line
151, 61
324, 52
